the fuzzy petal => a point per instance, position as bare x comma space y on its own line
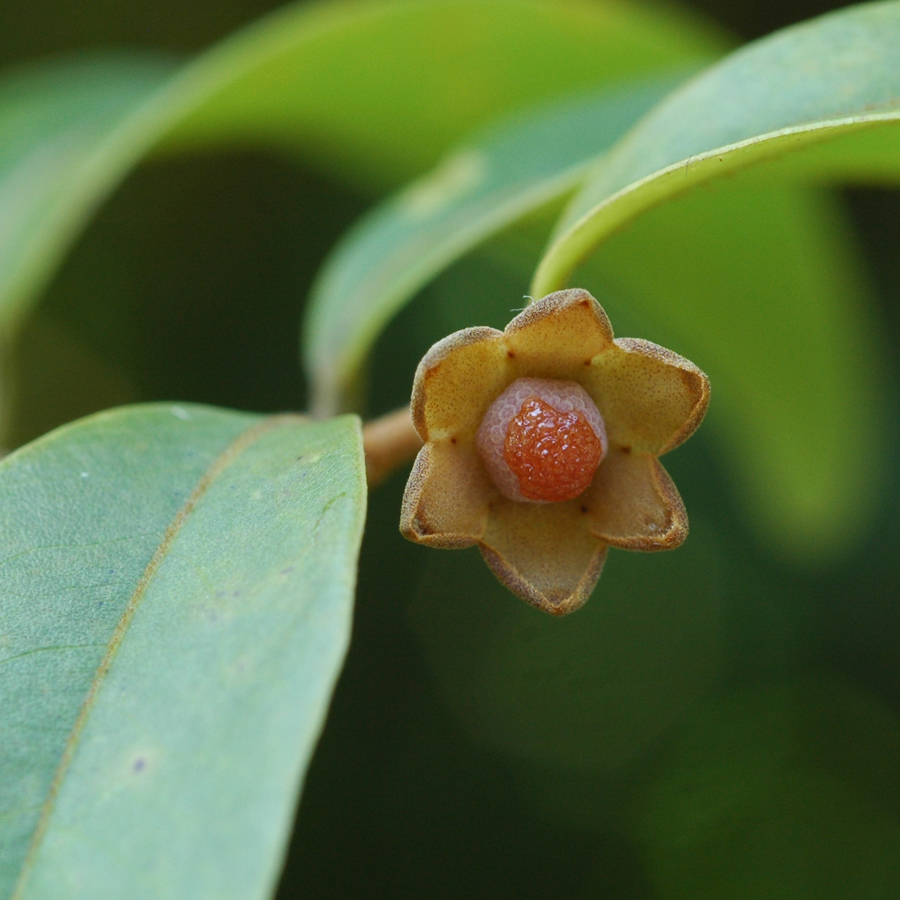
558, 336
651, 399
545, 554
446, 499
633, 503
456, 382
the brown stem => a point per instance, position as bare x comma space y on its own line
389, 442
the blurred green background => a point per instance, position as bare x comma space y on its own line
714, 723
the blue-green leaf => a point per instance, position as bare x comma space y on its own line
836, 77
177, 590
479, 189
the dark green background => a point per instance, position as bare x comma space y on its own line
713, 724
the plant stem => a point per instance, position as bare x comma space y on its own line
389, 442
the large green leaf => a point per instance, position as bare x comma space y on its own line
372, 91
834, 78
479, 189
177, 588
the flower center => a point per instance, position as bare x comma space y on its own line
542, 440
554, 454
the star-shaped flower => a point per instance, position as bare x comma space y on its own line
542, 445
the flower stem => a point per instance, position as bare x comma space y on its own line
389, 441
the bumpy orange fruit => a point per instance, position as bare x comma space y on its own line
542, 440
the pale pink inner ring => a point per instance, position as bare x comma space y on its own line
564, 396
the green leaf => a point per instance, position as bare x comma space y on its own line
372, 91
478, 190
67, 136
177, 587
834, 77
377, 91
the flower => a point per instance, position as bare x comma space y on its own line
550, 551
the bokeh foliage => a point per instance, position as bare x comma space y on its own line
679, 737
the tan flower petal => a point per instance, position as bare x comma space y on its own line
544, 553
633, 503
446, 499
559, 335
456, 381
650, 398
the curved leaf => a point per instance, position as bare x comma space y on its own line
177, 588
377, 91
332, 81
479, 189
64, 144
834, 77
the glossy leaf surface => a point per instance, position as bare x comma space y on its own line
177, 590
837, 77
376, 91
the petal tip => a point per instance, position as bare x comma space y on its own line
556, 601
651, 514
424, 515
573, 302
697, 382
677, 390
